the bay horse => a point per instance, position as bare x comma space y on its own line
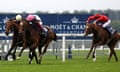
33, 37
101, 37
13, 26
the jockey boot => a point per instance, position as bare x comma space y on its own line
44, 33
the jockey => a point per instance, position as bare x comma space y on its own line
35, 19
102, 20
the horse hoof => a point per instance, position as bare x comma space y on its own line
18, 58
94, 59
10, 58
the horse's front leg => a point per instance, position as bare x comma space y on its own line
21, 51
94, 53
14, 56
90, 51
9, 52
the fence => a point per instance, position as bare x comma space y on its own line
62, 44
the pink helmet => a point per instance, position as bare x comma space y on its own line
30, 17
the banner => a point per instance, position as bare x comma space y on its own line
60, 23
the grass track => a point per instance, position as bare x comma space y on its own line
50, 64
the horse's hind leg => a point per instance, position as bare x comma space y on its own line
115, 54
110, 55
46, 46
112, 51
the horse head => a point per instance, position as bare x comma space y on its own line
91, 28
9, 26
88, 29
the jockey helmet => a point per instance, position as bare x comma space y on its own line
37, 17
97, 15
18, 17
30, 17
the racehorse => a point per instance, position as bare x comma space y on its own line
13, 25
33, 37
101, 37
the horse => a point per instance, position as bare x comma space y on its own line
101, 37
13, 25
32, 36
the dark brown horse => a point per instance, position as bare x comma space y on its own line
101, 37
33, 37
13, 25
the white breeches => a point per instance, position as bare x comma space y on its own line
107, 23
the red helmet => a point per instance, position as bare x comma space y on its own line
97, 15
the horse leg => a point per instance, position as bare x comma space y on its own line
46, 46
33, 47
94, 54
30, 56
40, 55
9, 52
110, 55
21, 51
14, 56
90, 51
114, 53
34, 54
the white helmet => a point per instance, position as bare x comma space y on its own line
37, 18
18, 17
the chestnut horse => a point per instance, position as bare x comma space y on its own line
33, 37
13, 25
101, 37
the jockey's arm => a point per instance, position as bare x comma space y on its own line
90, 18
99, 19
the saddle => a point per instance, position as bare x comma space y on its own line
110, 31
43, 31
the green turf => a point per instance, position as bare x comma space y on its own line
50, 64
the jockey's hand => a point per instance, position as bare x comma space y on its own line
95, 22
86, 22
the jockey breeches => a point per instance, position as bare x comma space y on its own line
106, 23
39, 26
